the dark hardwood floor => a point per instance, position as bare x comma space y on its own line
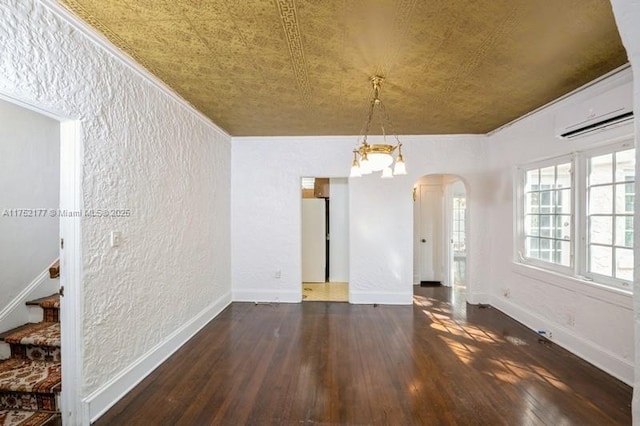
438, 362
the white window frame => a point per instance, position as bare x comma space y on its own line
584, 264
579, 239
520, 226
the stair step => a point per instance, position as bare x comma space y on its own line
24, 375
37, 334
52, 301
29, 418
15, 330
38, 342
49, 306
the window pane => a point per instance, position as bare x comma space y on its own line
545, 249
547, 202
601, 169
531, 247
563, 227
600, 260
562, 254
625, 165
624, 198
545, 225
532, 180
624, 231
563, 201
547, 177
601, 229
531, 202
532, 225
629, 196
601, 200
563, 178
624, 264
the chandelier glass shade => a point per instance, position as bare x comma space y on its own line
369, 158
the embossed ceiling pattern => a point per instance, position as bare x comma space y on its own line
302, 67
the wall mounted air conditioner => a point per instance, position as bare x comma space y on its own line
610, 109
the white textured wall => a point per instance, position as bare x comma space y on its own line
145, 152
29, 179
339, 230
627, 14
266, 214
591, 321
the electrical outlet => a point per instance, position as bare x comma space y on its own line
277, 274
546, 333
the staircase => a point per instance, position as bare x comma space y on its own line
30, 380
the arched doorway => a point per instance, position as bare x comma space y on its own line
440, 231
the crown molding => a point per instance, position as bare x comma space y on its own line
102, 42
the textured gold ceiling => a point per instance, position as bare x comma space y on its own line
302, 67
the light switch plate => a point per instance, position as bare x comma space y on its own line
116, 238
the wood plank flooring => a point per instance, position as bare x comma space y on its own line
438, 362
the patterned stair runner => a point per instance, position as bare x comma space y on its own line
28, 418
30, 381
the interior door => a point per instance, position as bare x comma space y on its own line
430, 232
314, 240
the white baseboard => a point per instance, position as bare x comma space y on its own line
268, 296
380, 297
475, 298
16, 313
98, 402
607, 361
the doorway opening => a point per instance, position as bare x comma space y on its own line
58, 208
440, 231
325, 239
29, 265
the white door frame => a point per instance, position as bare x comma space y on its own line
447, 243
450, 196
71, 306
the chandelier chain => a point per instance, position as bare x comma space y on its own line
368, 158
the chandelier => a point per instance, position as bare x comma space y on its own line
369, 158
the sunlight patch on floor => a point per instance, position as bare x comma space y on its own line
325, 292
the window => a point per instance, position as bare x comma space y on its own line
610, 194
588, 212
459, 212
459, 239
547, 220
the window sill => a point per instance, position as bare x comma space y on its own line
616, 296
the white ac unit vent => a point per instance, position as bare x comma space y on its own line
610, 109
